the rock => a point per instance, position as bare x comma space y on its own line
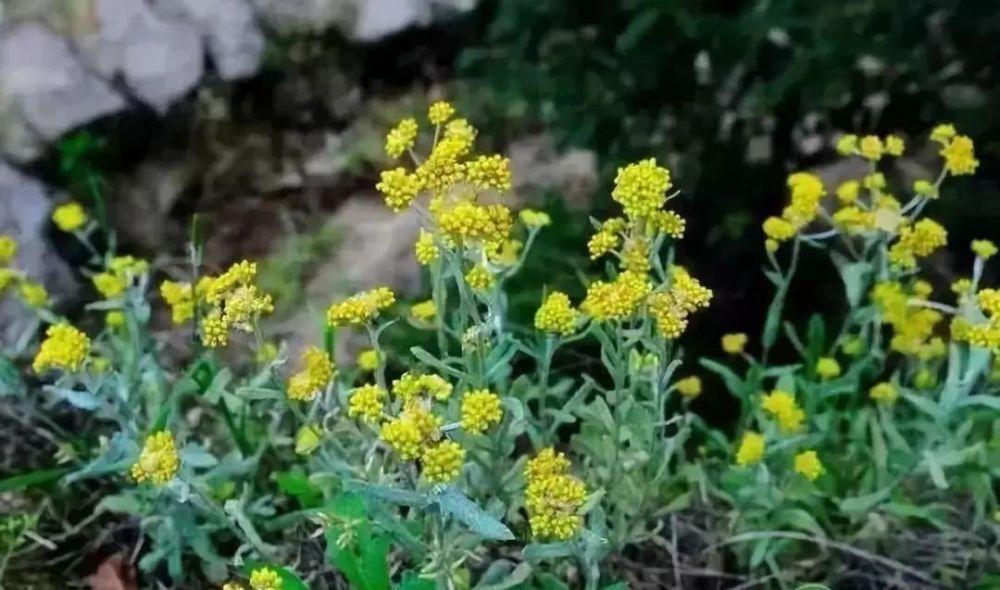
47, 85
24, 214
142, 204
290, 16
380, 18
537, 168
374, 248
160, 57
235, 41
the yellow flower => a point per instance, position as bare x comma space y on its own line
8, 248
751, 449
158, 462
214, 330
368, 360
366, 403
307, 439
924, 379
689, 387
399, 188
894, 145
361, 308
557, 315
804, 202
180, 298
827, 368
69, 217
114, 319
734, 343
853, 346
778, 229
467, 223
782, 406
671, 309
489, 172
984, 249
847, 144
601, 243
266, 353
641, 188
848, 191
440, 112
667, 222
460, 132
34, 294
233, 586
532, 218
874, 181
618, 299
479, 279
854, 219
100, 364
265, 578
480, 410
108, 285
442, 462
424, 310
64, 348
871, 147
408, 433
317, 371
553, 498
925, 188
884, 393
808, 465
401, 138
411, 385
943, 133
917, 241
425, 248
960, 156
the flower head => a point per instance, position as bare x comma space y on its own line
64, 348
265, 578
847, 144
368, 360
489, 172
69, 217
399, 188
401, 138
533, 218
943, 133
984, 249
366, 403
307, 439
782, 406
690, 387
317, 371
894, 145
553, 498
34, 294
960, 156
734, 343
361, 308
884, 393
424, 310
8, 248
442, 462
641, 188
871, 147
751, 449
480, 410
440, 112
827, 368
158, 462
808, 465
557, 315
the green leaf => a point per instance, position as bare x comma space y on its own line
11, 383
729, 378
374, 563
987, 401
759, 553
854, 276
773, 320
413, 581
432, 361
536, 553
392, 495
860, 505
295, 482
218, 385
119, 455
83, 400
32, 479
121, 504
503, 574
457, 505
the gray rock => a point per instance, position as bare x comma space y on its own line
291, 16
160, 57
24, 213
143, 202
235, 41
537, 167
47, 85
381, 18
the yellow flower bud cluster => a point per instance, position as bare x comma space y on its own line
232, 301
557, 315
553, 497
781, 405
158, 462
317, 371
361, 308
64, 348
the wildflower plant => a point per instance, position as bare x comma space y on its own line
473, 457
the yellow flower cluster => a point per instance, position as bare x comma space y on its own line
532, 218
957, 150
401, 138
368, 360
442, 462
983, 334
884, 393
617, 299
399, 187
781, 405
918, 240
913, 327
808, 465
8, 248
553, 497
158, 462
734, 343
233, 586
641, 188
424, 311
180, 297
265, 578
803, 207
425, 248
411, 385
479, 278
366, 403
480, 410
827, 368
121, 274
751, 449
689, 387
984, 249
870, 147
33, 294
557, 315
64, 348
69, 217
317, 371
233, 302
360, 308
672, 308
